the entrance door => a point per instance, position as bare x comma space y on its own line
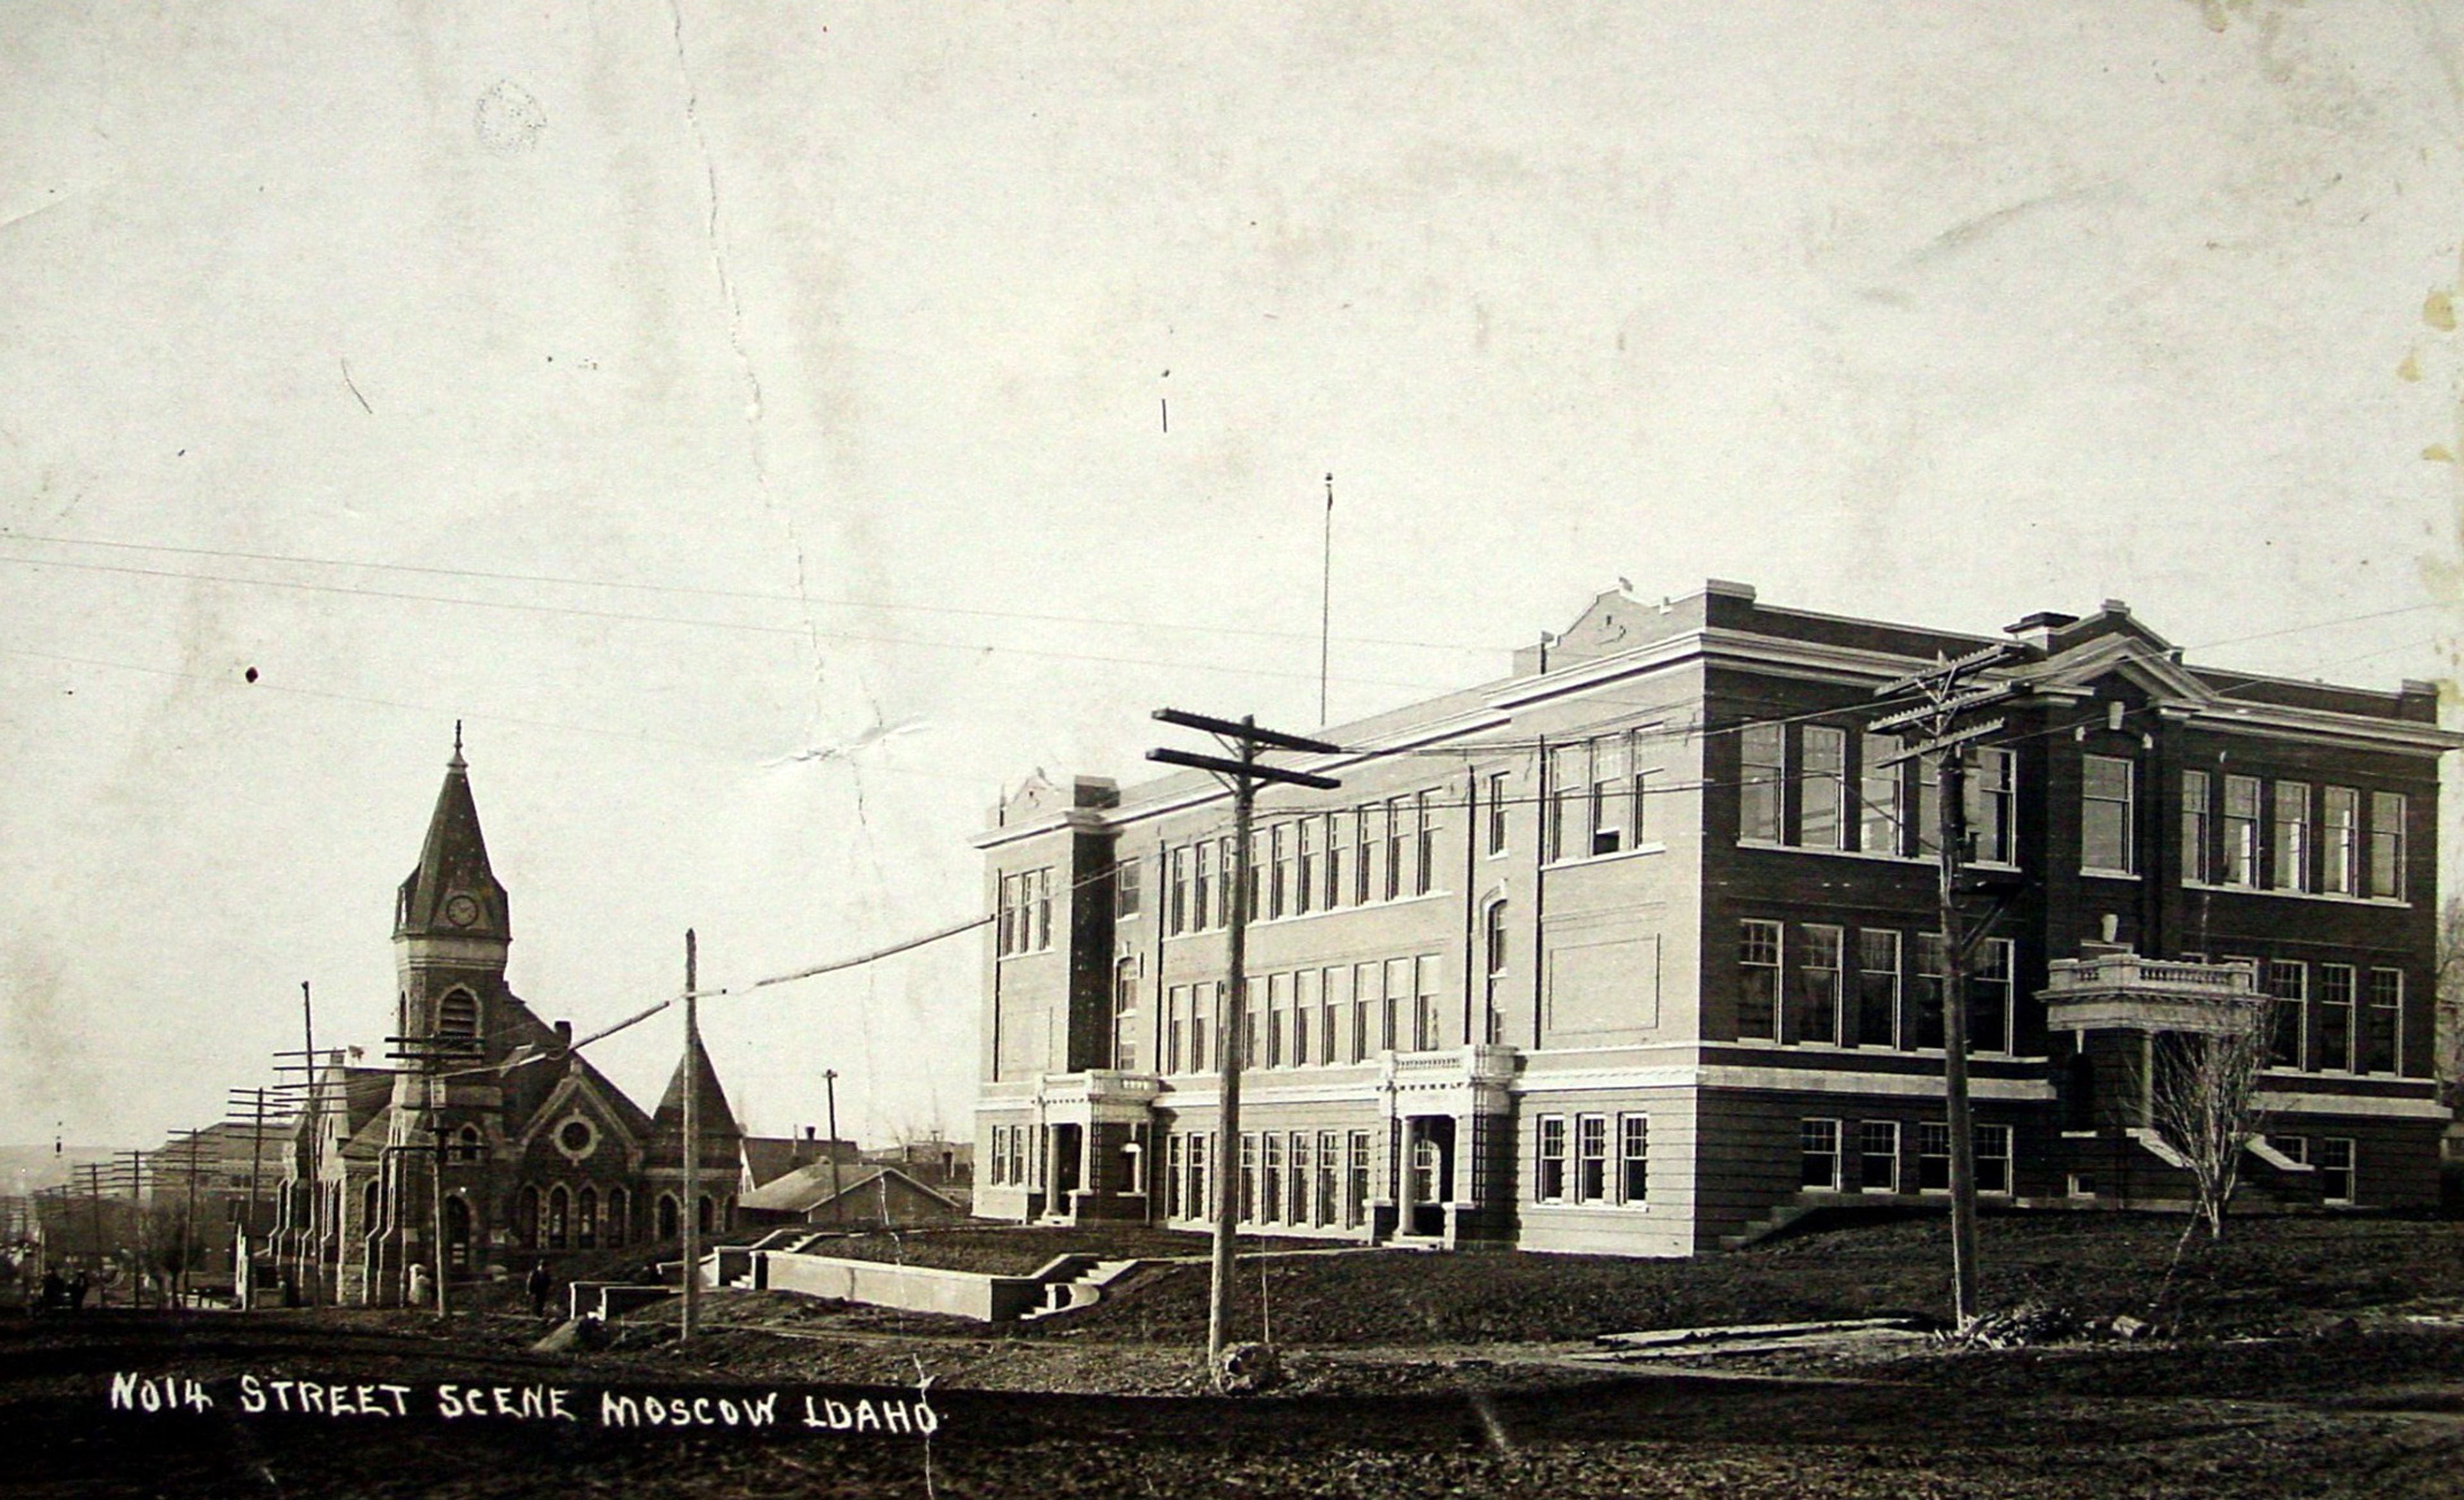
1067, 1148
1433, 1172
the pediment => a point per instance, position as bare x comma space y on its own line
2134, 655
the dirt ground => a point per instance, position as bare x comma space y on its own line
2309, 1357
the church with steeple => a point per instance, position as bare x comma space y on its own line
488, 1140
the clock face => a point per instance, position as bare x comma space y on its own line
461, 910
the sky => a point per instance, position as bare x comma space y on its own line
774, 428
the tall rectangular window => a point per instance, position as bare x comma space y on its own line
1878, 988
1497, 814
1634, 1158
1248, 1177
1395, 830
1758, 979
1879, 793
1591, 1158
1043, 908
1202, 1180
2288, 980
1762, 763
1989, 997
1570, 790
1278, 864
1279, 1003
1364, 1003
1610, 804
2340, 852
1822, 787
1818, 987
2292, 836
1991, 797
1361, 850
1548, 1184
1649, 823
1391, 1013
2383, 1030
2105, 815
1304, 1168
1125, 886
1304, 866
1176, 1027
1933, 974
2337, 1163
1304, 1011
1336, 877
2241, 830
1878, 1157
1818, 1155
1201, 864
2336, 1017
2386, 844
1356, 1198
1993, 1159
2198, 859
1125, 1016
1271, 1181
1005, 908
1429, 1018
1329, 1178
1424, 837
1933, 1156
1334, 988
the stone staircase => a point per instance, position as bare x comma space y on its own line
1068, 1288
1769, 1224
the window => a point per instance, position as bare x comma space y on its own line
1006, 909
2292, 836
1360, 851
1933, 1156
1248, 1177
998, 1176
1356, 1203
1125, 1016
1044, 908
1549, 1183
1610, 804
1205, 1038
1878, 988
2288, 980
1253, 865
2383, 1031
1879, 793
1201, 881
1304, 866
1394, 834
1279, 1001
1818, 1156
2105, 811
1822, 787
1428, 1022
1364, 997
1569, 795
1125, 888
1758, 979
1991, 794
1933, 974
2386, 844
1175, 1162
1304, 1008
1330, 1009
2198, 864
1330, 1176
2336, 1017
1763, 754
1993, 1159
1334, 876
2342, 865
1818, 999
2241, 830
1398, 989
1424, 858
1647, 819
458, 1014
1279, 860
1201, 1183
559, 1207
1591, 1158
1304, 1169
1176, 1034
620, 1213
1878, 1157
2336, 1169
586, 1219
1270, 1186
1494, 949
1634, 1158
1497, 818
1988, 998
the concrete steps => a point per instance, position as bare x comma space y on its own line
1084, 1290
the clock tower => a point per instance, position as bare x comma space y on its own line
452, 927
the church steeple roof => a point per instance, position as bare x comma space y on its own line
453, 893
717, 1121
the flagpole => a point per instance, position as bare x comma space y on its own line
1325, 598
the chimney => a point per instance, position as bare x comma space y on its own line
564, 1036
808, 1132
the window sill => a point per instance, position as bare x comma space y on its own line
1607, 858
1603, 1206
1255, 922
2088, 872
2391, 902
1873, 856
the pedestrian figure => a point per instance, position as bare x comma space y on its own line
419, 1286
55, 1291
540, 1284
77, 1289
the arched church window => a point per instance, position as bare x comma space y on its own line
669, 1225
704, 1217
467, 1143
526, 1223
586, 1219
559, 1206
370, 1202
620, 1207
457, 1014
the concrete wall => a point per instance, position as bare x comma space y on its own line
917, 1288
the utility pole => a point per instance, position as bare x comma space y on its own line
1325, 598
1934, 729
1241, 775
313, 1259
830, 1148
691, 1215
93, 1220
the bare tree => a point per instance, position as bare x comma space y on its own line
2203, 1102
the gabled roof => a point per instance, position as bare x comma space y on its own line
580, 1081
452, 861
770, 1158
808, 1187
